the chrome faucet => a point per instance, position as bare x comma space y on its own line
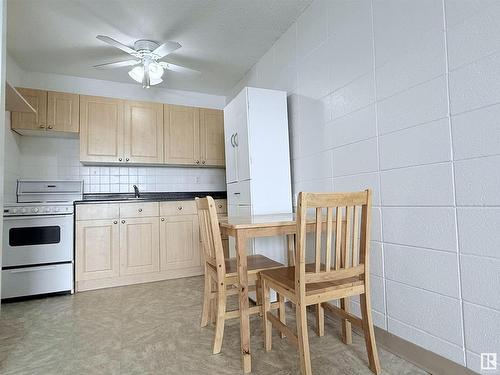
136, 192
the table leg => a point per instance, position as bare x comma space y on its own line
241, 259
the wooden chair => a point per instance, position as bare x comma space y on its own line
221, 277
337, 275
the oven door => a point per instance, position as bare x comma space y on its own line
37, 240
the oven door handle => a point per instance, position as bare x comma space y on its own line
32, 269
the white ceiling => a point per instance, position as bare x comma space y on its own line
220, 38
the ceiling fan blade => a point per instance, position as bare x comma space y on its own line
115, 43
118, 64
178, 68
166, 48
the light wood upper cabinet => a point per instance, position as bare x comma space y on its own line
143, 132
63, 112
31, 121
182, 134
139, 245
97, 249
212, 137
101, 129
179, 242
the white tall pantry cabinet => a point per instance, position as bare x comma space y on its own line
258, 160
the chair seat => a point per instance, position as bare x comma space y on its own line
255, 264
285, 277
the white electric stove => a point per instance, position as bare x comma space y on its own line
38, 237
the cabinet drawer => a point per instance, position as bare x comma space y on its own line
97, 211
221, 206
143, 209
178, 208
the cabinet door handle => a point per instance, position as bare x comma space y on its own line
220, 205
115, 222
162, 219
42, 126
236, 139
237, 193
179, 208
120, 159
50, 126
140, 210
197, 162
123, 221
203, 162
127, 159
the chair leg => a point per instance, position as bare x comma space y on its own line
221, 318
213, 307
371, 346
346, 325
206, 299
258, 291
320, 320
304, 354
281, 311
266, 324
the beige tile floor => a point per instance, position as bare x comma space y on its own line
154, 329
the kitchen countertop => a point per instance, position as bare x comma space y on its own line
148, 197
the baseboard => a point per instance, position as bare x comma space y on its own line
420, 357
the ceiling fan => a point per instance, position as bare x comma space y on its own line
147, 54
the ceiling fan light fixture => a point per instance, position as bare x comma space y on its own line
155, 74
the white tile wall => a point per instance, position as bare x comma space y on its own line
409, 106
425, 310
58, 158
482, 331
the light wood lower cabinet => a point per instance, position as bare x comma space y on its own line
97, 249
139, 245
129, 243
180, 242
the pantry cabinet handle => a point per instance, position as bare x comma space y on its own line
232, 138
123, 221
236, 139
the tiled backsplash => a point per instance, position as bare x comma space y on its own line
58, 158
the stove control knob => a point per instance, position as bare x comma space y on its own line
47, 209
23, 210
14, 210
56, 209
35, 210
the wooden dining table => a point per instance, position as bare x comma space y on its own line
243, 228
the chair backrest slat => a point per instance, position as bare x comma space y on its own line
210, 234
347, 238
344, 234
338, 237
329, 234
319, 223
355, 234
